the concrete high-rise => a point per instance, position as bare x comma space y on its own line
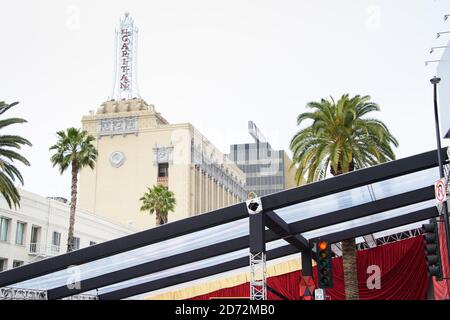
267, 170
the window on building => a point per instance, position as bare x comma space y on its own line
3, 264
4, 228
34, 240
17, 263
56, 241
163, 170
76, 243
91, 243
20, 233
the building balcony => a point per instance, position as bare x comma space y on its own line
163, 181
41, 249
35, 248
55, 249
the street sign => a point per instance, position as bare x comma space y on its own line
319, 294
440, 190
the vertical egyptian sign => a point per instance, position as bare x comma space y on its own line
125, 44
125, 76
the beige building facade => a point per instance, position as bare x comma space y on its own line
138, 148
39, 228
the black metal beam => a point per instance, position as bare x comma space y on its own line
307, 263
256, 224
386, 224
192, 275
280, 252
127, 243
221, 216
363, 210
323, 220
275, 223
353, 179
275, 292
155, 266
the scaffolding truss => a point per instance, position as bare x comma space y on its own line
8, 293
258, 276
338, 208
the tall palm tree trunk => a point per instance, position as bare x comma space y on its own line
158, 217
349, 255
350, 270
73, 205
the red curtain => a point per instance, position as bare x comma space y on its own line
402, 269
441, 288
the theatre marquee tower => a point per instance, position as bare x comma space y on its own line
138, 148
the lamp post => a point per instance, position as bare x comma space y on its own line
435, 81
438, 35
430, 61
434, 48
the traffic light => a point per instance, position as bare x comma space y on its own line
432, 249
324, 270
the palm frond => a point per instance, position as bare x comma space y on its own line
340, 137
8, 172
74, 146
158, 199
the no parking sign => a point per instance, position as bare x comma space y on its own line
440, 190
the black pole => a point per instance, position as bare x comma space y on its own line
257, 234
275, 292
307, 263
435, 82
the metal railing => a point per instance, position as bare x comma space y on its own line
34, 247
54, 249
8, 293
42, 249
11, 293
163, 181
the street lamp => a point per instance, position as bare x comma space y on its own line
430, 61
440, 47
440, 33
435, 81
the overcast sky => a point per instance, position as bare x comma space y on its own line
218, 64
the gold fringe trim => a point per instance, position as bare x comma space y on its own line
204, 288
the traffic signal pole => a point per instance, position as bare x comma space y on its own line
435, 81
432, 249
324, 264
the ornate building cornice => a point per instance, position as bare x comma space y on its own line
118, 126
163, 155
218, 172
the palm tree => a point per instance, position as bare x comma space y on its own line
341, 139
158, 200
8, 171
74, 148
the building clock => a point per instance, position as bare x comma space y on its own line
117, 158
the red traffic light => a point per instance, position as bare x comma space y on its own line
324, 266
322, 245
